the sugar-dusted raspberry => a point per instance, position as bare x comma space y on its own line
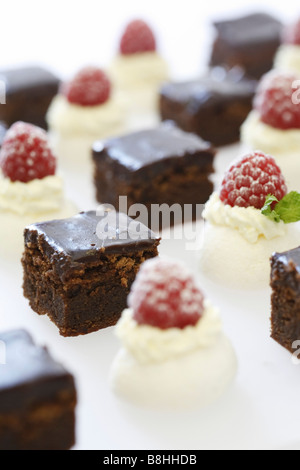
137, 37
165, 295
89, 87
291, 33
274, 100
25, 154
251, 179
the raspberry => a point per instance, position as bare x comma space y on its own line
25, 154
137, 37
89, 87
165, 295
291, 34
274, 100
251, 179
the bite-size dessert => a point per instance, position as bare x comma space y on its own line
285, 298
249, 218
273, 125
226, 100
36, 393
28, 91
85, 110
174, 353
249, 41
138, 70
30, 188
288, 55
93, 257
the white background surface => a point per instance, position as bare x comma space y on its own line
261, 410
66, 34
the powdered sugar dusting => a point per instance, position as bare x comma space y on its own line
274, 100
25, 153
89, 87
165, 295
249, 180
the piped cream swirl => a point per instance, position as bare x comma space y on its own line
35, 197
249, 222
150, 344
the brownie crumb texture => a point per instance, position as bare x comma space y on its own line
82, 288
285, 298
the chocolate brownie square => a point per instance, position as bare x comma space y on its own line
29, 92
213, 107
37, 397
79, 270
164, 165
285, 298
250, 41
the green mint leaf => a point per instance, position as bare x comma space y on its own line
288, 208
267, 211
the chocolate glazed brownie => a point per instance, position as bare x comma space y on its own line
285, 299
37, 397
213, 107
29, 92
164, 165
250, 41
79, 270
3, 129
